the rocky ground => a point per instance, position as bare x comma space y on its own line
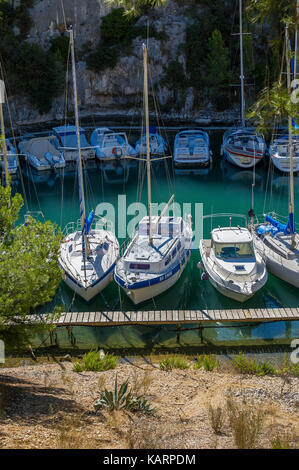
50, 406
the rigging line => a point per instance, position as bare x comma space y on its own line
62, 196
4, 75
63, 13
171, 186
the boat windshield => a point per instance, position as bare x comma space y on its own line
234, 250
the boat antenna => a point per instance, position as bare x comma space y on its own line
80, 166
241, 64
291, 180
148, 154
2, 101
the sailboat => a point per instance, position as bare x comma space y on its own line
240, 145
160, 249
276, 240
90, 249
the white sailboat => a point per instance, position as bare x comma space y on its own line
231, 263
90, 250
160, 249
240, 145
278, 242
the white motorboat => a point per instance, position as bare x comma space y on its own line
158, 145
242, 146
12, 158
276, 239
90, 249
280, 155
192, 149
233, 267
160, 249
111, 145
41, 154
66, 142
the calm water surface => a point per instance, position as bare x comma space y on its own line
222, 189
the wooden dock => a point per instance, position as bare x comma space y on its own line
159, 317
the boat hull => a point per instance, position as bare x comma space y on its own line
242, 160
286, 270
87, 293
283, 164
141, 293
238, 294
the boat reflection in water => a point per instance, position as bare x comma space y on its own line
46, 177
246, 177
117, 171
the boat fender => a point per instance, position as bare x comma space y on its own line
199, 265
204, 276
49, 157
117, 151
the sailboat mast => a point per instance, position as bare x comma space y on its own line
148, 153
291, 188
241, 64
80, 171
2, 100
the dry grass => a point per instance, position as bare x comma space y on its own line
246, 422
216, 417
71, 433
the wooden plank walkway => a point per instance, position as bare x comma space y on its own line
156, 317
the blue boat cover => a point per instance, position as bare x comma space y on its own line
277, 227
152, 130
89, 222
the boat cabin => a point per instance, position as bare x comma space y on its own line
165, 250
232, 243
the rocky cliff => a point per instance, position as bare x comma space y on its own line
118, 90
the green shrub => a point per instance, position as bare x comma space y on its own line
117, 33
198, 363
247, 366
121, 398
32, 71
77, 367
92, 361
60, 47
173, 362
210, 363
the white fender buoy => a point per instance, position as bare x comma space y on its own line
199, 265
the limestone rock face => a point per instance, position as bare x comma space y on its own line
118, 90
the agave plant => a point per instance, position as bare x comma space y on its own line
121, 398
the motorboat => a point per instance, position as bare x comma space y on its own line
192, 149
41, 154
67, 143
110, 145
231, 263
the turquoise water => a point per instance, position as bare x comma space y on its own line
222, 189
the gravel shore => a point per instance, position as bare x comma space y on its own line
51, 406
